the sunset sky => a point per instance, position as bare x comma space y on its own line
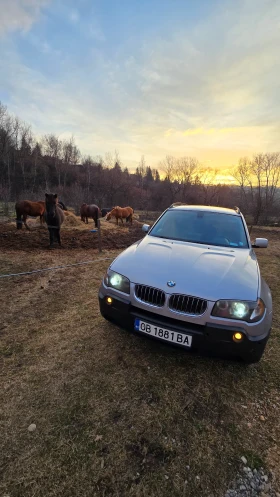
155, 77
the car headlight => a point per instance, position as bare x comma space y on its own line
117, 281
237, 309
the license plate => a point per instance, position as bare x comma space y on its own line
162, 333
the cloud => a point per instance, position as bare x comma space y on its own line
215, 79
95, 32
222, 72
19, 15
210, 90
219, 132
74, 16
238, 138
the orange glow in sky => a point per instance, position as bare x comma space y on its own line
197, 79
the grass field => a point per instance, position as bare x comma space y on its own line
116, 414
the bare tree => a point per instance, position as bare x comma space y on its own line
25, 149
180, 174
7, 142
258, 180
29, 166
207, 180
88, 165
241, 174
169, 167
70, 157
140, 174
108, 160
186, 168
36, 155
271, 173
53, 148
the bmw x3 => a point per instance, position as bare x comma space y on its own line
193, 281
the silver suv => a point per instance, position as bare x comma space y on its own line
193, 281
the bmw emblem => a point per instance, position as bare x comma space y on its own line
171, 283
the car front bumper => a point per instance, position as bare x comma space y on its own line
214, 338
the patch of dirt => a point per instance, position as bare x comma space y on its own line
74, 235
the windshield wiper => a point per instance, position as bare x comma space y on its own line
179, 239
166, 237
206, 243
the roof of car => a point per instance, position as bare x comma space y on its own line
207, 208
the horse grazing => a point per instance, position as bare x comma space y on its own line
91, 210
54, 217
121, 213
26, 208
105, 211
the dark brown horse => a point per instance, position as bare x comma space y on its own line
121, 213
62, 205
26, 208
105, 211
54, 217
91, 210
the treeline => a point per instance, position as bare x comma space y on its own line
30, 166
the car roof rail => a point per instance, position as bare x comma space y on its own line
177, 204
237, 210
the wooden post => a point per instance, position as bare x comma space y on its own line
99, 235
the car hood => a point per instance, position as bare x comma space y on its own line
204, 271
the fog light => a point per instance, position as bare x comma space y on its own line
109, 300
237, 337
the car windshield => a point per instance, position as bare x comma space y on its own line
209, 228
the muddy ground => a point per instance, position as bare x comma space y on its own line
112, 237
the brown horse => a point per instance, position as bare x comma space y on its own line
91, 210
26, 208
54, 216
121, 213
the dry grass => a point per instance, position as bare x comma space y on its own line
116, 414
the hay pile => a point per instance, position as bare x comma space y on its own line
34, 223
72, 221
111, 226
138, 223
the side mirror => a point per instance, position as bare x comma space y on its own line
260, 243
145, 228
